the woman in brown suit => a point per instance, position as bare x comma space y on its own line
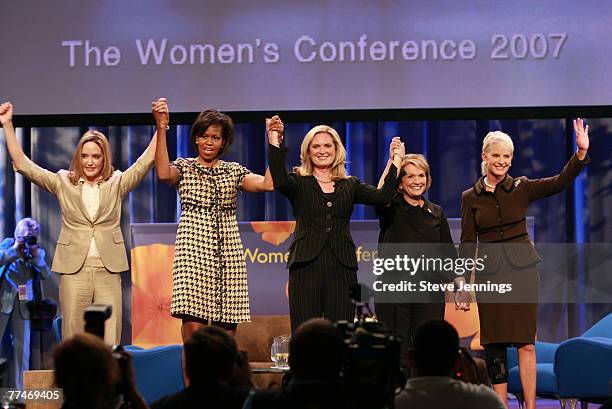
493, 211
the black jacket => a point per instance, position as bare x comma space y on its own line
321, 219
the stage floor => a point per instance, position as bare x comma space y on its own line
546, 404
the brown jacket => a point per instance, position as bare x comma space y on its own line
496, 220
77, 227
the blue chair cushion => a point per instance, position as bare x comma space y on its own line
546, 380
158, 371
133, 348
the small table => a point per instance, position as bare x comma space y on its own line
271, 369
277, 377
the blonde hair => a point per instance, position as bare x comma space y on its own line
420, 162
25, 225
338, 168
490, 139
76, 167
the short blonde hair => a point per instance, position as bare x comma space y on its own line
338, 168
490, 139
76, 168
25, 225
420, 162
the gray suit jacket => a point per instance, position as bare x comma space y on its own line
77, 227
18, 274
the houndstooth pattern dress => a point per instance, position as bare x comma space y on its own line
209, 271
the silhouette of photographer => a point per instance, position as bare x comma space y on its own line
20, 259
94, 376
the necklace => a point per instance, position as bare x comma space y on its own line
488, 185
323, 181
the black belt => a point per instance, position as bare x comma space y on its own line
506, 239
498, 226
213, 207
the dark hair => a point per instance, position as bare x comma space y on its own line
87, 372
213, 117
436, 348
210, 356
316, 350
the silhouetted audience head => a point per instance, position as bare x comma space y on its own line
211, 355
436, 349
87, 372
316, 350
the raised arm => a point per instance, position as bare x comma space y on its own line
21, 163
12, 144
582, 138
283, 181
165, 171
544, 187
131, 178
257, 183
395, 144
370, 195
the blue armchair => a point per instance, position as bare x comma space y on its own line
584, 365
158, 371
578, 369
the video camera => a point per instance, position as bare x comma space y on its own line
95, 317
372, 370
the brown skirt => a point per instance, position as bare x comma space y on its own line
510, 317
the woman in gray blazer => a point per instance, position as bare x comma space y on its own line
90, 251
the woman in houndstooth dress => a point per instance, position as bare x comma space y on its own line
209, 271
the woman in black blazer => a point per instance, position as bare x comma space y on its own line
412, 226
322, 262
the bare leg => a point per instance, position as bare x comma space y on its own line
189, 327
230, 327
527, 370
502, 391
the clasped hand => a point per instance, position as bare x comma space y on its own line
275, 128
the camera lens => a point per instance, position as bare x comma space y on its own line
30, 240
